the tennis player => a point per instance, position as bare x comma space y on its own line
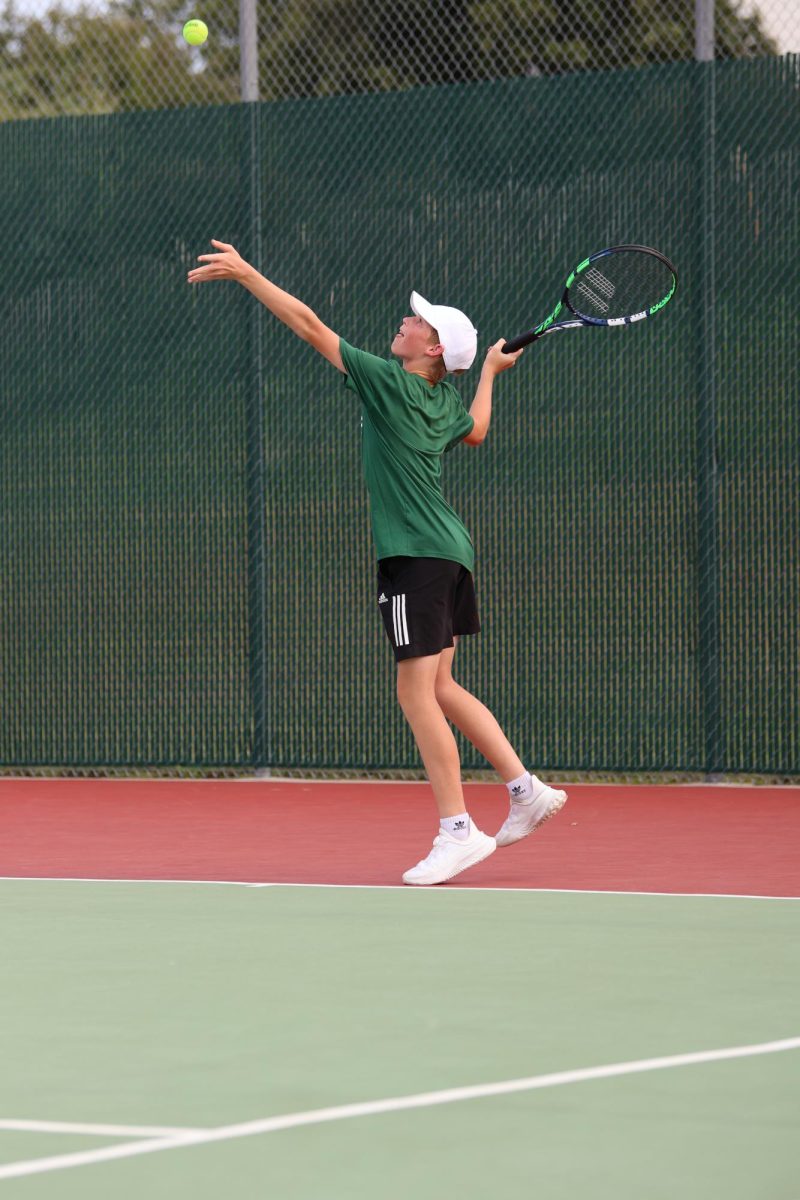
425, 593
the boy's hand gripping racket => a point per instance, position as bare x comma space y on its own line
617, 286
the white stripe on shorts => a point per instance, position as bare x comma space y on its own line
405, 623
401, 637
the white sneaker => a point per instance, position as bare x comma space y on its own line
524, 818
450, 856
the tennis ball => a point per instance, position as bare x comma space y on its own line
195, 32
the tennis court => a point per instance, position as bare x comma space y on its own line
212, 982
217, 988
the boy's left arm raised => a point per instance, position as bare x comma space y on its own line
227, 263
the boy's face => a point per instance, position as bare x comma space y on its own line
416, 339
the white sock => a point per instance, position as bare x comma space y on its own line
458, 826
523, 790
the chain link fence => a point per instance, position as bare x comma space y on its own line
185, 566
74, 57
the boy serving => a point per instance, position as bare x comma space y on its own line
425, 593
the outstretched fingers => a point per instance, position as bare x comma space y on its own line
223, 265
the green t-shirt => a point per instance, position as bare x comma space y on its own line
407, 424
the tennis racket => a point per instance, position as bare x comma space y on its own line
617, 286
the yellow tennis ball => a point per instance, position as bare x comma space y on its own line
195, 32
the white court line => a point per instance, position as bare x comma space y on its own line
372, 1108
396, 887
97, 879
80, 1127
453, 891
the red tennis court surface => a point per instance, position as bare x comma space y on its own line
733, 840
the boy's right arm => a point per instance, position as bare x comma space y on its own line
481, 407
228, 264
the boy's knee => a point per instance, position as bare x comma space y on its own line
405, 690
444, 690
413, 694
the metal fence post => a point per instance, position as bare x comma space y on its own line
707, 479
256, 551
703, 30
256, 472
248, 50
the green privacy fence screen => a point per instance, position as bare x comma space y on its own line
186, 570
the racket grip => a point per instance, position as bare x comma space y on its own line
522, 339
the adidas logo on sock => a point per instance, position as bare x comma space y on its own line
382, 598
517, 791
460, 825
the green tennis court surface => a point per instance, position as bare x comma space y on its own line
158, 1008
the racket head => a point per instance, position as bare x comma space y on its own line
620, 285
630, 284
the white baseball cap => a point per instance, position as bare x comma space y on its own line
456, 332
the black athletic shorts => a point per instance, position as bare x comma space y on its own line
425, 603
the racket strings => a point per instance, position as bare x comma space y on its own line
620, 285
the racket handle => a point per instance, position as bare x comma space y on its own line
522, 339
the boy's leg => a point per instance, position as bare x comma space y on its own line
475, 721
416, 692
532, 802
454, 849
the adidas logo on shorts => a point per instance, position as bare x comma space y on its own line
382, 598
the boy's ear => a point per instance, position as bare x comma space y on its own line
435, 351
